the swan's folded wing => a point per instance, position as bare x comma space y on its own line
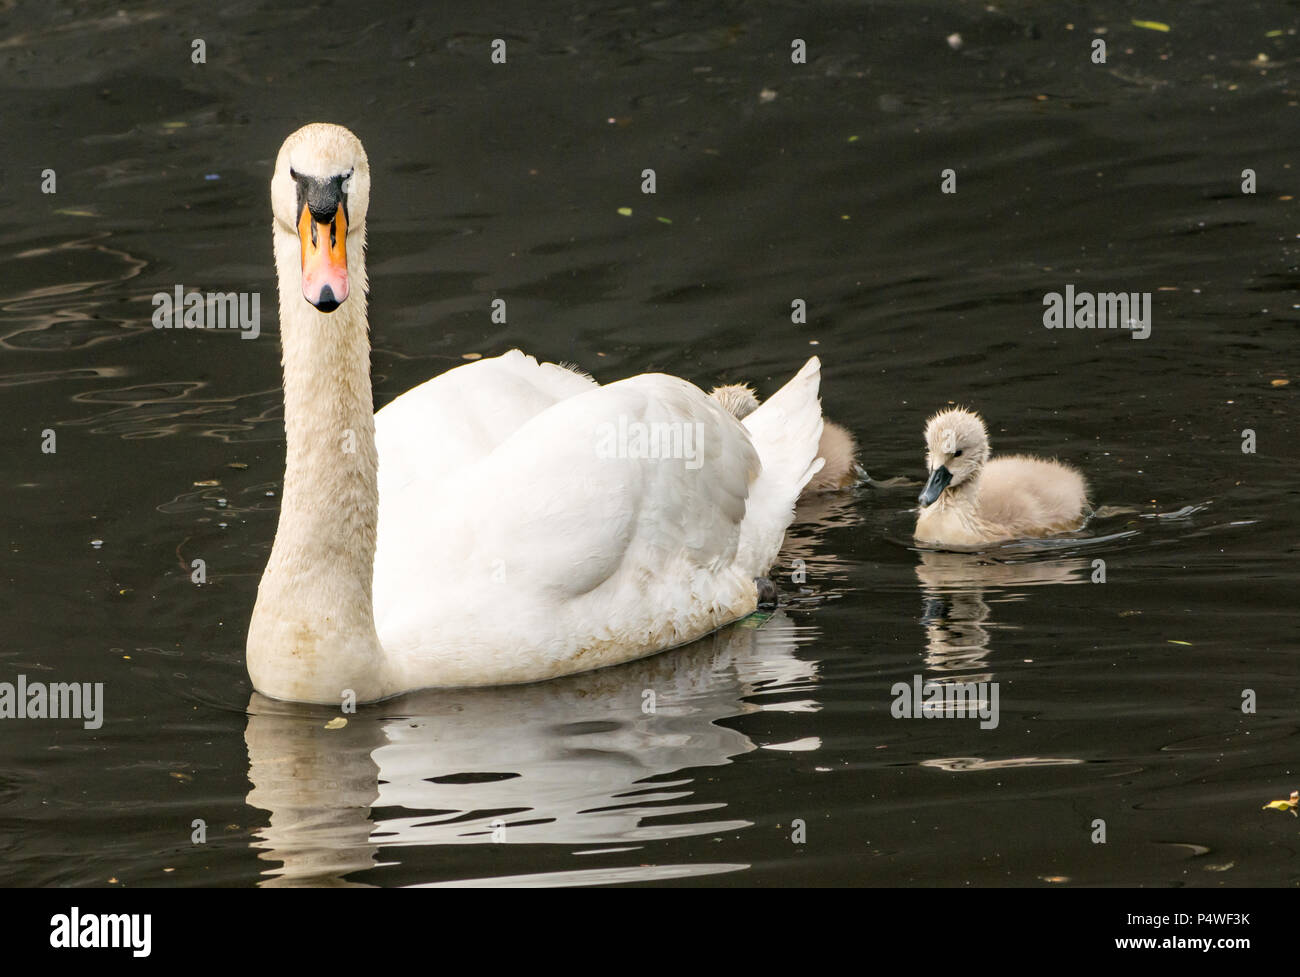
612, 516
461, 416
629, 478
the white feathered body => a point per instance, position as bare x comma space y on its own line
525, 534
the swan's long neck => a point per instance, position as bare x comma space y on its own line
312, 636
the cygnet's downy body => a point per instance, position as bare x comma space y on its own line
971, 499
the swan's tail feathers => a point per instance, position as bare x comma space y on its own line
786, 430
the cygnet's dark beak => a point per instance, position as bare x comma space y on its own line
939, 479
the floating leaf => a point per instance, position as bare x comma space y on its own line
1173, 642
1285, 805
663, 220
1152, 25
336, 723
625, 211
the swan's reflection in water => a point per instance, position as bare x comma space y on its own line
565, 762
958, 590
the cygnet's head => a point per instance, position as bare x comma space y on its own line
738, 399
319, 195
956, 447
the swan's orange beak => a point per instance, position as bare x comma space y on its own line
324, 259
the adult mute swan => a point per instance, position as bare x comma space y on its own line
971, 500
508, 521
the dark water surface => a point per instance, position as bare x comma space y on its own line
1120, 701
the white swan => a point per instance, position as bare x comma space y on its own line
970, 499
499, 523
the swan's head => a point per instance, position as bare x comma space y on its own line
956, 447
319, 195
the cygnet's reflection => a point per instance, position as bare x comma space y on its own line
958, 589
559, 762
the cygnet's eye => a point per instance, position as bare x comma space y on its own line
957, 453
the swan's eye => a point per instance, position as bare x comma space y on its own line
957, 453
